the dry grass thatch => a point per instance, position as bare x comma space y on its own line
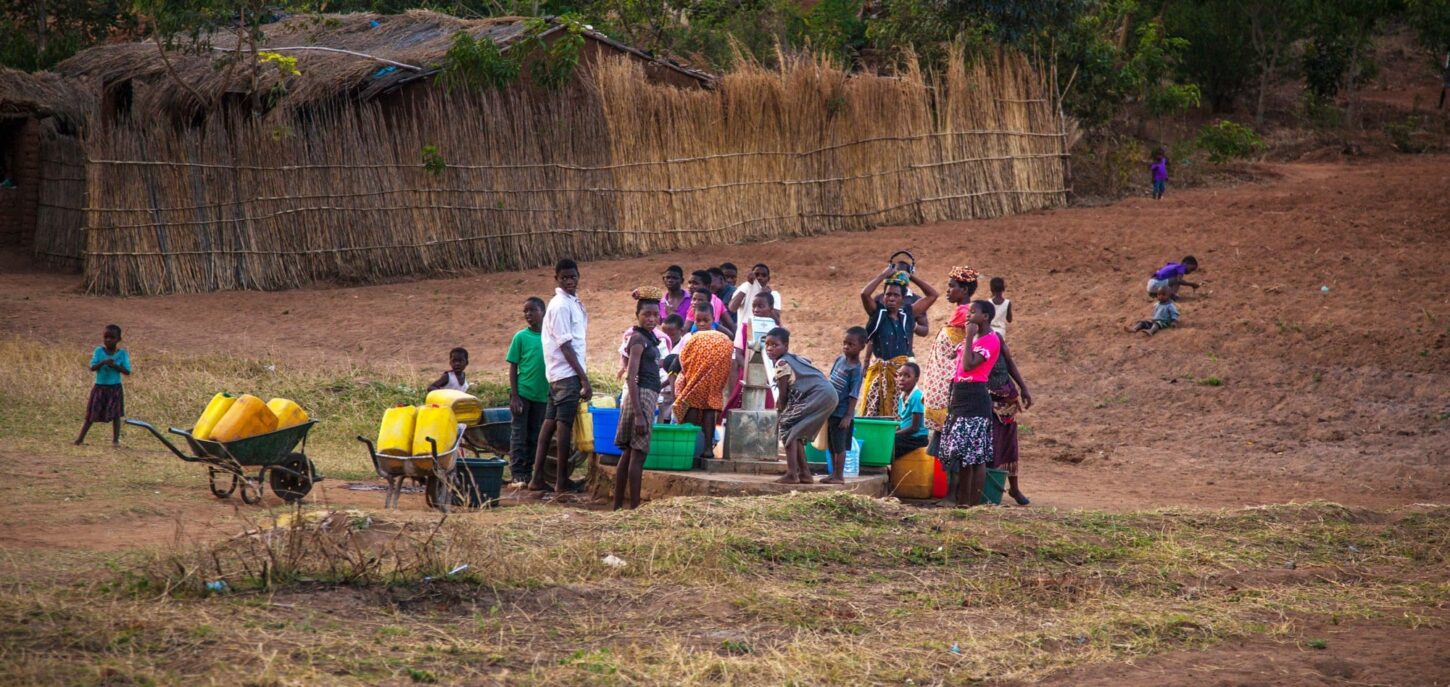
418, 38
44, 94
615, 166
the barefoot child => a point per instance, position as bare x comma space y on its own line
528, 391
910, 411
454, 377
1004, 306
846, 374
108, 399
1165, 315
641, 397
806, 401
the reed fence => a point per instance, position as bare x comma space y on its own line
613, 166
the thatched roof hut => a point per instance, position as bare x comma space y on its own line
356, 57
42, 95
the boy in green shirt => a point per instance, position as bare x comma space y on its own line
528, 391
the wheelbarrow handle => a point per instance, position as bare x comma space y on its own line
162, 438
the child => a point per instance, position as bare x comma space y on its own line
757, 281
744, 337
807, 399
1170, 276
1165, 315
641, 397
718, 321
108, 399
910, 411
528, 391
453, 378
1160, 174
673, 327
1004, 306
731, 273
846, 373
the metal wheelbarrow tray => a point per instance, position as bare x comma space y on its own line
437, 472
276, 456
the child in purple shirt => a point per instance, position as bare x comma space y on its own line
1160, 175
1170, 276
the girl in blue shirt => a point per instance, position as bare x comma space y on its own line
108, 401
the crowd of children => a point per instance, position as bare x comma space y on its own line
684, 360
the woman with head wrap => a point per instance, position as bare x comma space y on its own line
707, 366
939, 363
890, 326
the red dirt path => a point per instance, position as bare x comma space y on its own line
1343, 395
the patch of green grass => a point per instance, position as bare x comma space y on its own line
1317, 644
1209, 381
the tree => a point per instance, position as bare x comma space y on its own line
40, 33
1274, 25
1338, 56
1219, 56
1148, 72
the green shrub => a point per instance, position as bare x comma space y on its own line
1402, 135
1224, 140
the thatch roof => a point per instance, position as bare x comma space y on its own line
44, 94
419, 38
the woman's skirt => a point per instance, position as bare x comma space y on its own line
966, 439
625, 436
878, 388
936, 376
1006, 403
107, 403
806, 414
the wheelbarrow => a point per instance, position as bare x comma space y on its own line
276, 456
438, 472
494, 435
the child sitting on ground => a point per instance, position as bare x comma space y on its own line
910, 409
846, 374
1170, 277
453, 378
1165, 315
108, 399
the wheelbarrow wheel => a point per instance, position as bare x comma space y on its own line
251, 491
438, 492
291, 487
216, 490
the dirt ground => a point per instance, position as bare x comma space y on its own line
1313, 364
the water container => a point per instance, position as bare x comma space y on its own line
482, 480
853, 461
218, 407
584, 429
248, 417
395, 434
672, 447
288, 414
993, 486
938, 480
466, 407
436, 422
606, 425
878, 439
912, 474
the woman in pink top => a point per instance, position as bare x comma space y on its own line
966, 438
